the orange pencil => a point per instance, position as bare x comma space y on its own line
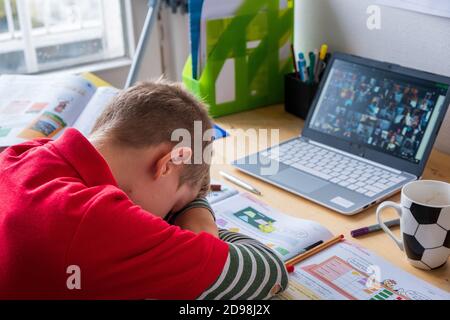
314, 251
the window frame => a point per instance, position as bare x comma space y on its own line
24, 40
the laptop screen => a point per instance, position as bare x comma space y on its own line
383, 110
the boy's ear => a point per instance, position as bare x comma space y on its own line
177, 157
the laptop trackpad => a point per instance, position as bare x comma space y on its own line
298, 181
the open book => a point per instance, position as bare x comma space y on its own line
44, 106
242, 213
344, 271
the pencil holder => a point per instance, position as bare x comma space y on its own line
298, 95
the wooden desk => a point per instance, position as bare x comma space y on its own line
276, 118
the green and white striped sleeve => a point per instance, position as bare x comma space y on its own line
251, 272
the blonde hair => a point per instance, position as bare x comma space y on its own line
147, 115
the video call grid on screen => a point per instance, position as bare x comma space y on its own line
383, 110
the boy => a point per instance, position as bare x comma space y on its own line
122, 216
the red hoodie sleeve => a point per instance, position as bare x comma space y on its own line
124, 252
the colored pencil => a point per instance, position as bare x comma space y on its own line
314, 251
376, 227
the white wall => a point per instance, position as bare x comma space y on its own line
407, 38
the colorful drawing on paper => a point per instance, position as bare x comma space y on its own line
349, 282
46, 126
256, 219
62, 106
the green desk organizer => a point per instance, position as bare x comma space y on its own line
259, 70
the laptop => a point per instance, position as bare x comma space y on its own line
370, 131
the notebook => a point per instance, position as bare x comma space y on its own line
345, 271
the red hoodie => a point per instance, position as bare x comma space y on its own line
61, 210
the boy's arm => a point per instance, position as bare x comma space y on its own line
197, 217
198, 220
252, 271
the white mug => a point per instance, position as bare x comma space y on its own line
425, 223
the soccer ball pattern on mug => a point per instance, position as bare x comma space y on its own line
426, 234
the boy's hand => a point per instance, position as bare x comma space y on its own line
198, 220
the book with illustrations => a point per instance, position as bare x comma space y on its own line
44, 106
345, 271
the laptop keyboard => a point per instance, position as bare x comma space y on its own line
334, 167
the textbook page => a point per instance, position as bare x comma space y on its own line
286, 235
347, 271
40, 106
95, 107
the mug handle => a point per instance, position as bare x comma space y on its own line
398, 208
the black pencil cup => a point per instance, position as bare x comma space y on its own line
298, 95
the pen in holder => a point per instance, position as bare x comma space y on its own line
299, 95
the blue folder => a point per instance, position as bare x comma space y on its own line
195, 16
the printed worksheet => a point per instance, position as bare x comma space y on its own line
349, 272
344, 271
286, 235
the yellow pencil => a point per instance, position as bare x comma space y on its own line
314, 251
323, 52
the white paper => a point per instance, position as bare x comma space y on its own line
349, 272
95, 107
225, 86
433, 7
286, 235
226, 83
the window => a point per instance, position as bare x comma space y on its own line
43, 35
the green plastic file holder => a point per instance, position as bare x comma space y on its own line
256, 37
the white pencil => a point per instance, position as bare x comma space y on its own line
240, 183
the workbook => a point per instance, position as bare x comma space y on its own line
33, 107
344, 271
241, 212
44, 106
